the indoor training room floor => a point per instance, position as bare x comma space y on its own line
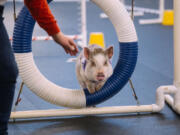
154, 68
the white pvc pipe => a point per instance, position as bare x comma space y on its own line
84, 111
169, 99
175, 102
176, 105
160, 96
46, 38
150, 21
156, 20
161, 9
145, 10
177, 43
136, 13
83, 23
175, 90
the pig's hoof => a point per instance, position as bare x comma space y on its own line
98, 87
91, 91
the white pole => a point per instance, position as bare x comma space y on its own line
177, 53
161, 9
83, 111
83, 40
83, 23
177, 43
175, 102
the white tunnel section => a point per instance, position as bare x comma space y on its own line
44, 88
120, 19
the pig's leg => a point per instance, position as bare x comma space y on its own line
99, 86
90, 87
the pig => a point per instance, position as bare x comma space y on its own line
93, 67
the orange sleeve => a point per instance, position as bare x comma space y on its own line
40, 11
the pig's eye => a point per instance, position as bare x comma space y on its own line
93, 63
105, 63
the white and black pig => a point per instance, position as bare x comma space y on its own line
93, 67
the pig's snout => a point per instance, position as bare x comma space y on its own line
100, 76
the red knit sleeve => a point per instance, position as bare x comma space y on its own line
40, 11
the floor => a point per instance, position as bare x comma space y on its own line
154, 68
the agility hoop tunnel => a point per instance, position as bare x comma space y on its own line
60, 96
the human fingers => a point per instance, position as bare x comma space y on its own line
74, 45
67, 48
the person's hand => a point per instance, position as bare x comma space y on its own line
67, 43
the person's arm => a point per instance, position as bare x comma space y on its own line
40, 11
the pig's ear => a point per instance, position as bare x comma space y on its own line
109, 52
86, 52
